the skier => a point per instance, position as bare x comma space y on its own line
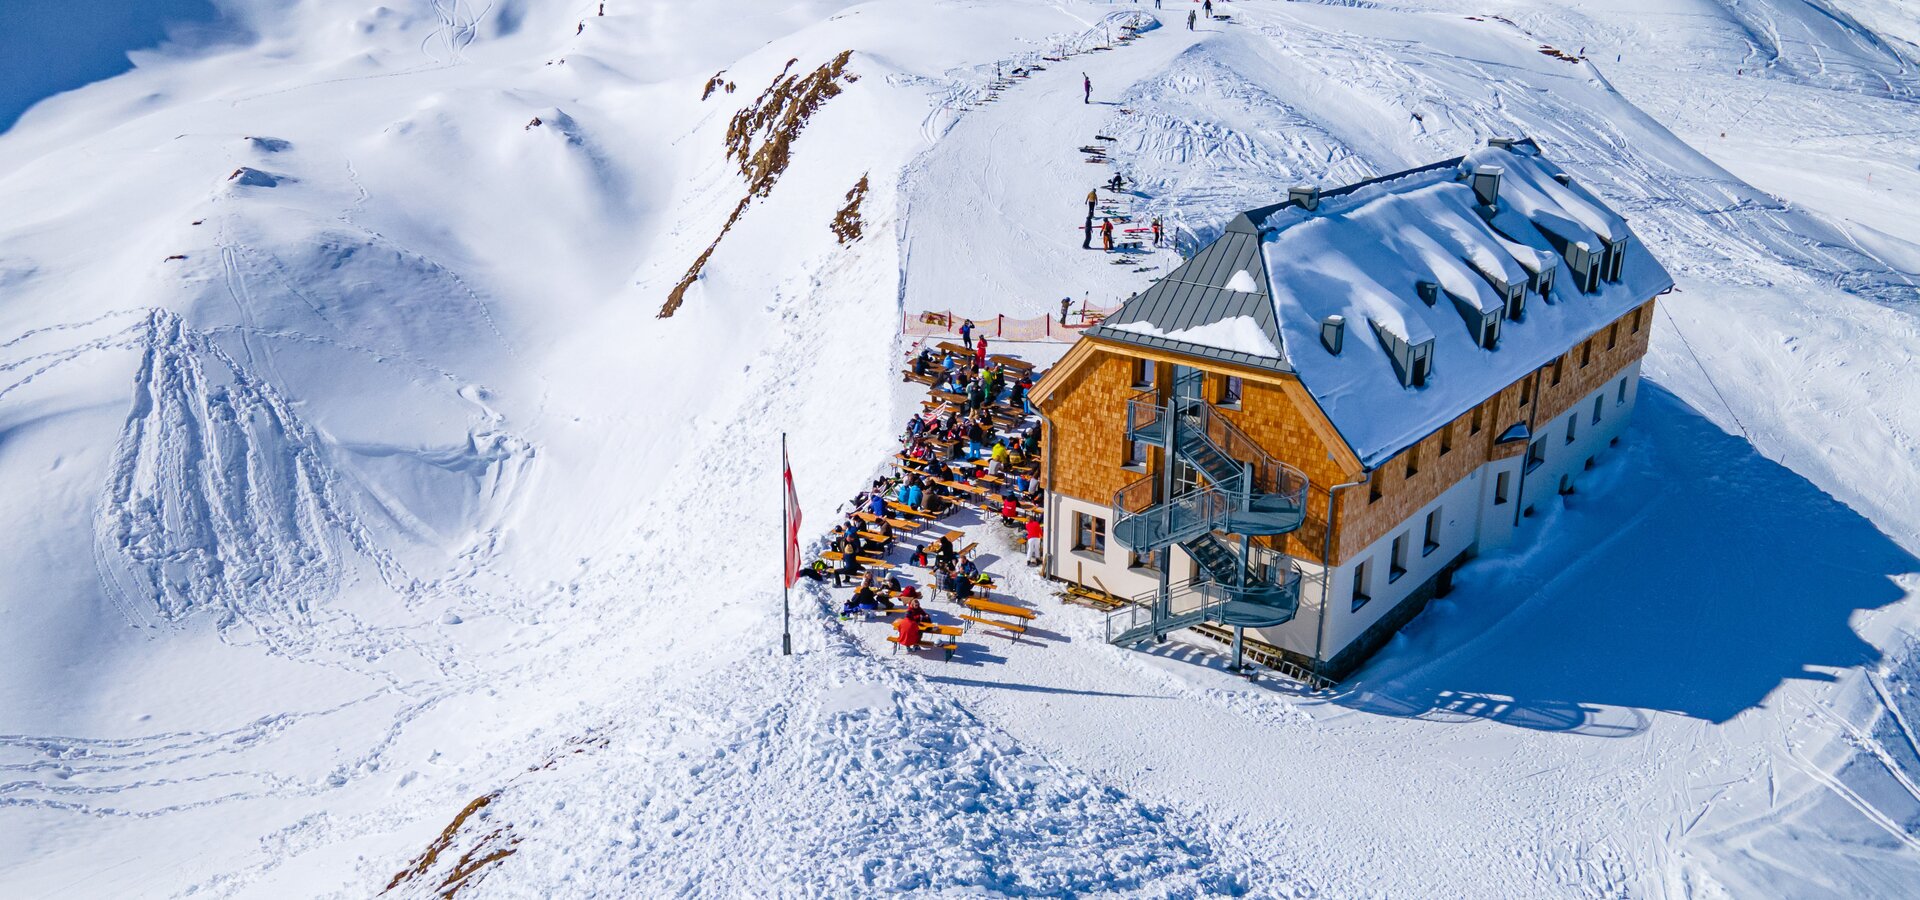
1093, 200
1207, 7
1190, 20
1106, 234
1086, 84
1156, 231
1065, 304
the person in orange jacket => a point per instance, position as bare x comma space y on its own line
1106, 233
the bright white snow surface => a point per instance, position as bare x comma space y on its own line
1240, 334
393, 493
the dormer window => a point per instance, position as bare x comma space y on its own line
1413, 363
1616, 255
1516, 302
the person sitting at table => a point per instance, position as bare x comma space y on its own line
915, 612
885, 542
1009, 510
848, 568
864, 600
943, 554
906, 632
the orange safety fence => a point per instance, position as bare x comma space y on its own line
1007, 328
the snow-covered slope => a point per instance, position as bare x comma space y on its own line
358, 494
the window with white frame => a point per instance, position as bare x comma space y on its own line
1397, 562
1432, 537
1361, 592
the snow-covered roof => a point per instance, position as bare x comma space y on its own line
1370, 253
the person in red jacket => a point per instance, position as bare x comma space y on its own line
908, 631
980, 353
1033, 541
1009, 509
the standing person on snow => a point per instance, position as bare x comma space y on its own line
1086, 241
1207, 7
1033, 541
1106, 234
1156, 231
1190, 20
966, 332
1086, 84
980, 353
1066, 303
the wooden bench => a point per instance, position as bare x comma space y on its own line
1002, 609
928, 379
1014, 630
1011, 362
835, 555
949, 646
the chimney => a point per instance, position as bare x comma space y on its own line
1429, 292
1307, 197
1333, 333
1486, 185
1502, 143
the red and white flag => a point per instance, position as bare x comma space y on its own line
793, 522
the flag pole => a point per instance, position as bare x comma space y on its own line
786, 626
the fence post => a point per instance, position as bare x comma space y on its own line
1049, 321
999, 324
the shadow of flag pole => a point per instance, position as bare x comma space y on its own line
790, 549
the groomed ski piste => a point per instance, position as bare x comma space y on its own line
369, 529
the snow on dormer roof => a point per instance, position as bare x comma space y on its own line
1364, 252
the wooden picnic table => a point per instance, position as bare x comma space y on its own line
1002, 609
870, 518
1011, 362
899, 507
955, 349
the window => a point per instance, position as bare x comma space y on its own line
1413, 460
1613, 335
1500, 486
1559, 368
1598, 402
1446, 439
1141, 561
1536, 454
1566, 485
1230, 389
1586, 352
1397, 563
1089, 534
1421, 364
1360, 595
1432, 540
1137, 455
1143, 373
1526, 392
1373, 490
1573, 425
1475, 427
1622, 396
1636, 322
